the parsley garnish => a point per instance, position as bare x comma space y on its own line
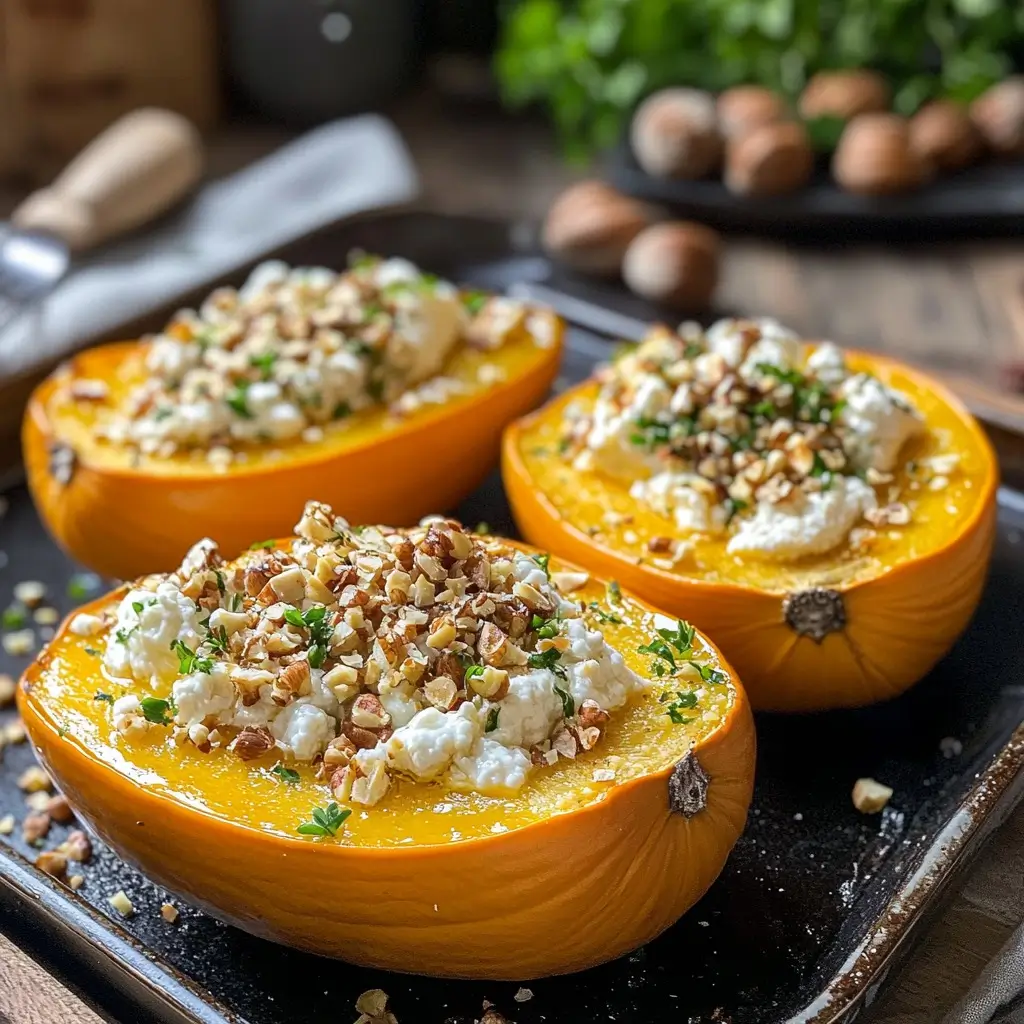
568, 704
341, 410
220, 581
614, 592
359, 260
326, 821
157, 711
472, 671
264, 362
81, 585
268, 545
14, 617
236, 398
474, 301
679, 702
482, 528
217, 639
547, 659
650, 433
188, 660
668, 645
122, 635
547, 629
492, 719
138, 606
732, 507
236, 602
602, 615
92, 651
320, 629
105, 697
543, 561
285, 774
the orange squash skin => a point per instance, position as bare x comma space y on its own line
559, 895
125, 522
899, 623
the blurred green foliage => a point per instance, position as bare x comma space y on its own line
590, 61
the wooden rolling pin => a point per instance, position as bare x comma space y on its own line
128, 175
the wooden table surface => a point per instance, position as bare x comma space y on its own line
956, 308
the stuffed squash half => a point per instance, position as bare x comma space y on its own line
826, 516
454, 742
381, 388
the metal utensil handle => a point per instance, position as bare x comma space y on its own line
129, 174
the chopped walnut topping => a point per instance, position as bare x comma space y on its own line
869, 796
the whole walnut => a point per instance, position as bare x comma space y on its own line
875, 157
844, 94
998, 113
944, 136
675, 134
590, 225
675, 264
744, 107
769, 160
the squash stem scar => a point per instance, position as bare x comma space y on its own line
688, 786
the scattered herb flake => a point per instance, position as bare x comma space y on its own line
543, 561
568, 704
15, 616
285, 774
614, 592
325, 821
157, 711
602, 616
105, 697
474, 301
267, 545
492, 719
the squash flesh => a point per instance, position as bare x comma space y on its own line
639, 740
584, 499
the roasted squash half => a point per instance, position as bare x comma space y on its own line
836, 630
430, 881
123, 513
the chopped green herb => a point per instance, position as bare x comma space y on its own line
122, 635
474, 301
765, 408
326, 821
692, 350
217, 639
375, 389
614, 592
650, 433
482, 528
15, 616
236, 602
105, 697
734, 506
81, 585
269, 545
341, 410
237, 399
547, 629
360, 260
188, 660
285, 774
547, 659
264, 362
472, 671
220, 581
568, 704
294, 617
603, 616
157, 711
543, 561
92, 651
492, 719
139, 606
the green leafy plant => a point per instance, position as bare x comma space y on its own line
590, 61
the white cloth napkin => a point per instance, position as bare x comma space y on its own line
997, 996
343, 168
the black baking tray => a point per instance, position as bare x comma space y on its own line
815, 906
987, 199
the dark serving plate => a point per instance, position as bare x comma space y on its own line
984, 200
813, 909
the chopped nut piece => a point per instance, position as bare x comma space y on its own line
59, 809
442, 692
604, 775
76, 882
567, 582
7, 690
869, 796
524, 995
368, 712
6, 825
373, 1002
34, 780
19, 643
120, 902
657, 545
77, 847
590, 713
442, 633
45, 617
251, 743
169, 912
894, 514
52, 863
492, 683
37, 801
35, 826
29, 592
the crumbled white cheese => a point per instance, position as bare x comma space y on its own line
491, 768
827, 363
139, 646
595, 670
804, 524
880, 419
426, 746
84, 624
202, 695
682, 497
303, 730
530, 709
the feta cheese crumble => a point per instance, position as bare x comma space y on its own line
745, 432
297, 348
429, 654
